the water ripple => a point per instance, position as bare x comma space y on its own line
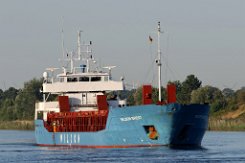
16, 146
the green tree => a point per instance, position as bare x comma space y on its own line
207, 94
1, 94
227, 92
1, 98
240, 96
25, 101
191, 83
138, 96
11, 93
7, 110
7, 103
211, 95
130, 97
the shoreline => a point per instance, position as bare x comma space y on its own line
17, 125
226, 125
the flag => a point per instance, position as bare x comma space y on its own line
150, 39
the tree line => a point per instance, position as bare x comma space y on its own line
191, 91
19, 104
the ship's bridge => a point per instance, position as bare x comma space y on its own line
81, 82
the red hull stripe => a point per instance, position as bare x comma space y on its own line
102, 146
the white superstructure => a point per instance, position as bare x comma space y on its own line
81, 84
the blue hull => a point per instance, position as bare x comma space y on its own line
129, 127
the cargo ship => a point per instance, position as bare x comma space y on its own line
80, 108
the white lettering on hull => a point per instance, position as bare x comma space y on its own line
70, 138
134, 118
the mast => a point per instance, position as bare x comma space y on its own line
78, 51
159, 64
79, 45
88, 58
63, 43
72, 67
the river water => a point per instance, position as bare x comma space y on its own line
19, 146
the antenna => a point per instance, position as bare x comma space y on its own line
79, 45
109, 69
62, 35
158, 61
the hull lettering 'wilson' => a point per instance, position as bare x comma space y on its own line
80, 108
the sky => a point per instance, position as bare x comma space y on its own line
201, 37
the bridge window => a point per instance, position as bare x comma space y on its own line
97, 78
84, 79
71, 79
